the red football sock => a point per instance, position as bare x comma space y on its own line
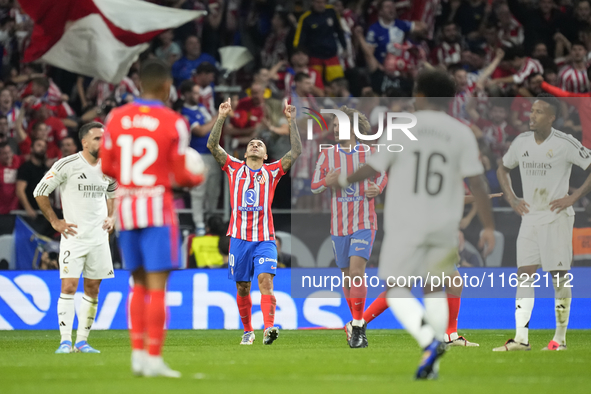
376, 308
347, 293
454, 310
268, 304
245, 310
358, 294
156, 317
137, 323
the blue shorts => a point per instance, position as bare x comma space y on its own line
360, 243
153, 248
248, 259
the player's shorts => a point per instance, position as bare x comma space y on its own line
247, 260
412, 254
360, 243
332, 67
547, 245
92, 261
153, 248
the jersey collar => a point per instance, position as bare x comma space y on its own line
148, 103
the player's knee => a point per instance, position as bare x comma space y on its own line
69, 287
243, 288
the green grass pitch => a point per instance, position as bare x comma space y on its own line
314, 361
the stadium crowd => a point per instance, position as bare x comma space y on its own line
500, 53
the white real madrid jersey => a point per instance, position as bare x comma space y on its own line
84, 190
545, 171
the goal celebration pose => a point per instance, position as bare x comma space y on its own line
253, 252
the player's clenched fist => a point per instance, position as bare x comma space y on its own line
225, 108
289, 111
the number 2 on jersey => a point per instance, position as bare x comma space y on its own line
430, 176
147, 150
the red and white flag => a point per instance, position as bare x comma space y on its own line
98, 38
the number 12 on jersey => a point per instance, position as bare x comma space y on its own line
147, 150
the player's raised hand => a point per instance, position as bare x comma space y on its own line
562, 203
225, 108
486, 242
520, 206
332, 178
372, 191
289, 111
109, 224
65, 229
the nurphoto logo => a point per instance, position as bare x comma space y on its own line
392, 124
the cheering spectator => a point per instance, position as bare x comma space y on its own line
204, 198
449, 51
9, 164
183, 68
168, 51
275, 49
526, 66
573, 77
300, 64
316, 35
68, 146
510, 30
29, 175
387, 34
204, 77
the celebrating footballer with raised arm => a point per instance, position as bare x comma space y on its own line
144, 149
253, 252
88, 204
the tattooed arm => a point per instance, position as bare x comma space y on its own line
213, 143
294, 138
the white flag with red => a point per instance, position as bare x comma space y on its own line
98, 38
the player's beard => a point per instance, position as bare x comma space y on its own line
95, 154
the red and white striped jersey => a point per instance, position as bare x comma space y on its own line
350, 209
573, 80
251, 196
143, 146
11, 117
530, 66
447, 53
105, 89
511, 35
206, 99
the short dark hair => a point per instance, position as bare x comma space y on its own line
436, 85
4, 144
3, 117
42, 81
454, 68
186, 86
206, 68
513, 52
300, 76
579, 43
85, 129
153, 74
550, 100
36, 126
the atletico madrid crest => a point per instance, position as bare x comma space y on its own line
260, 178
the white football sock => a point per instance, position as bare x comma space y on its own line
357, 323
65, 315
563, 296
437, 313
524, 304
87, 310
409, 312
